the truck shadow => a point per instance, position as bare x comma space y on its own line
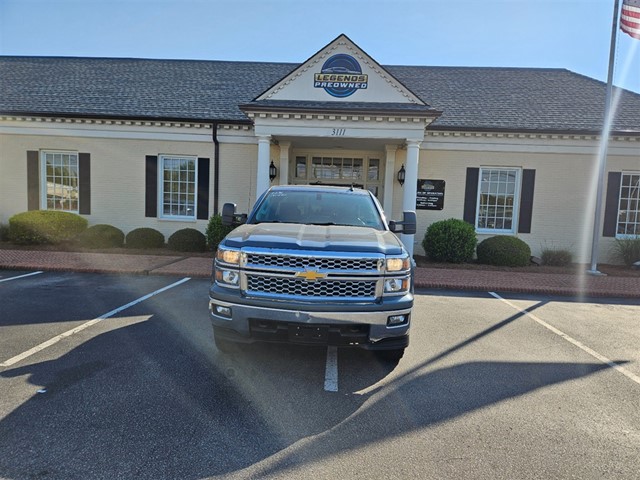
138, 402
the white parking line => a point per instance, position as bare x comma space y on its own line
68, 333
331, 370
573, 341
20, 276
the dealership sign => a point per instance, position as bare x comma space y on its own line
341, 76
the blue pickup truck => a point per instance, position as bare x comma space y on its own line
314, 265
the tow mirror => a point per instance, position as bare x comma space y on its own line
230, 217
228, 213
408, 225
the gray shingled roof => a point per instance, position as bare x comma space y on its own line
470, 98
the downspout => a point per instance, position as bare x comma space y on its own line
216, 165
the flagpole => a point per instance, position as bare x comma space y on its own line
604, 143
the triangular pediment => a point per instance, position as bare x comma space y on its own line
341, 72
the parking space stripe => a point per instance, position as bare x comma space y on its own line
20, 276
331, 370
68, 333
573, 341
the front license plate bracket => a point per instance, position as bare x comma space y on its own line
308, 333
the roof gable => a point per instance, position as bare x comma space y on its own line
340, 72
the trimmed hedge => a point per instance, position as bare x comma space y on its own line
452, 241
216, 231
144, 238
187, 240
504, 251
38, 227
101, 236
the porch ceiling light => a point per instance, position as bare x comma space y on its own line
401, 175
273, 171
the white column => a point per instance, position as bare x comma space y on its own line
262, 172
389, 179
410, 187
283, 169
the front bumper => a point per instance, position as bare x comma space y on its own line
249, 323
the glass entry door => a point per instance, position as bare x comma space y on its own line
360, 171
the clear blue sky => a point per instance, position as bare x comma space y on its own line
572, 34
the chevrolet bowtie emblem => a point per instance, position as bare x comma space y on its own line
311, 275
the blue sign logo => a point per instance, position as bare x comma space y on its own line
341, 76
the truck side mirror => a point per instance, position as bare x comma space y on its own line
228, 213
408, 225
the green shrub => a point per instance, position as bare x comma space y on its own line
187, 240
627, 250
101, 236
45, 227
144, 238
504, 251
216, 231
451, 240
556, 257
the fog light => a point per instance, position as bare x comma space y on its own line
220, 310
395, 320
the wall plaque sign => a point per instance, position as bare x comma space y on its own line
430, 194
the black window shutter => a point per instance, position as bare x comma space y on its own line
33, 180
526, 201
612, 201
203, 188
151, 186
471, 195
84, 183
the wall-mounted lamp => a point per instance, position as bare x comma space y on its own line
273, 171
401, 174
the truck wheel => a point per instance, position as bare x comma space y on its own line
390, 355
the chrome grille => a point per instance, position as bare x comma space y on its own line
319, 288
316, 263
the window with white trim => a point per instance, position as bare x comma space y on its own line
498, 199
60, 181
178, 186
629, 206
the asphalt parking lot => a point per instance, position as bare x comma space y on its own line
116, 376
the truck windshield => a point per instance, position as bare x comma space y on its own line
318, 208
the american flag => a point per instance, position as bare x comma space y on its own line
630, 18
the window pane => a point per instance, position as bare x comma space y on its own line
179, 176
629, 205
61, 181
374, 169
496, 198
301, 167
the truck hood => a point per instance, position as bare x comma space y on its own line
331, 238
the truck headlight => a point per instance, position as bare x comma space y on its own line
398, 264
227, 255
396, 285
